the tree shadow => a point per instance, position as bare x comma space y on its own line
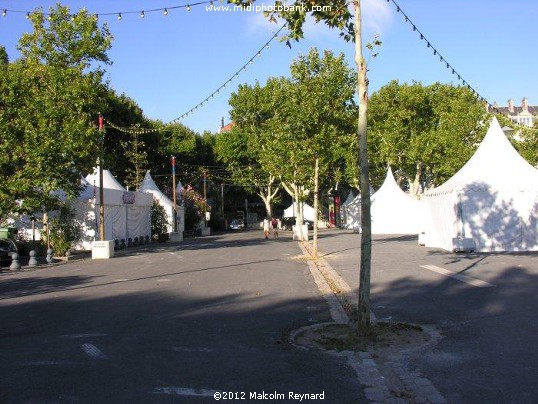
487, 353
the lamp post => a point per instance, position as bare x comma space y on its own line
32, 218
101, 192
174, 225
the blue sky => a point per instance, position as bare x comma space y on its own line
168, 64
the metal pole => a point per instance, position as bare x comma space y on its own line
101, 191
174, 225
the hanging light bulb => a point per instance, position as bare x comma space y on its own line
188, 7
165, 12
27, 16
119, 16
4, 13
142, 14
96, 17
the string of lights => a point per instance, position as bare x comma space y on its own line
442, 59
205, 100
119, 14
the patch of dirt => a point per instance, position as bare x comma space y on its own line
345, 337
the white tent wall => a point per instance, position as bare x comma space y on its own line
395, 212
492, 200
149, 186
308, 211
353, 214
122, 220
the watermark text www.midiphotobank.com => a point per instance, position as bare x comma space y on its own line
264, 8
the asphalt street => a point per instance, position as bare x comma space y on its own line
485, 306
178, 323
181, 323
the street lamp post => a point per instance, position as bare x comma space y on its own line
101, 191
174, 225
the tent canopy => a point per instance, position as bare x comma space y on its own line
394, 211
492, 199
109, 181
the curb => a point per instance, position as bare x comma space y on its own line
403, 385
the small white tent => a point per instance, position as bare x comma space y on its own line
492, 199
394, 211
308, 211
148, 185
109, 181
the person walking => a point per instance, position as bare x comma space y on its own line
274, 225
266, 227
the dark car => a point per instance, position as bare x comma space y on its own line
7, 247
287, 223
237, 224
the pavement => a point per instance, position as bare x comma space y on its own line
479, 311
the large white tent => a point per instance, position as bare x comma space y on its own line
127, 213
492, 201
395, 212
308, 211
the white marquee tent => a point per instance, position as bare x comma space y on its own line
127, 213
308, 211
395, 212
148, 185
492, 200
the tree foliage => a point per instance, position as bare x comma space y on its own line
47, 106
426, 133
63, 39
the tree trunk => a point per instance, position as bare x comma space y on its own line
364, 322
316, 205
414, 188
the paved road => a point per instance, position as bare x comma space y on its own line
175, 324
486, 306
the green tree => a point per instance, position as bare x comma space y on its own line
241, 148
426, 133
339, 16
63, 39
47, 108
47, 140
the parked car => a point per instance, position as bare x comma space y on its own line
287, 223
237, 224
7, 247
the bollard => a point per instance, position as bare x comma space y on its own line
135, 242
33, 260
15, 264
122, 243
129, 242
49, 259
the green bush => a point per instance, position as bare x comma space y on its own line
159, 222
64, 231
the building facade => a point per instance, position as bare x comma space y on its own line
525, 115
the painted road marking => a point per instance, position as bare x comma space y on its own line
460, 277
189, 349
84, 335
46, 363
93, 352
184, 391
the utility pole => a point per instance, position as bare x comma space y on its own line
101, 191
174, 225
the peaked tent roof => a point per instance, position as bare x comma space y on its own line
108, 180
394, 211
148, 185
495, 163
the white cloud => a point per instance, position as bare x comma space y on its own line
377, 15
